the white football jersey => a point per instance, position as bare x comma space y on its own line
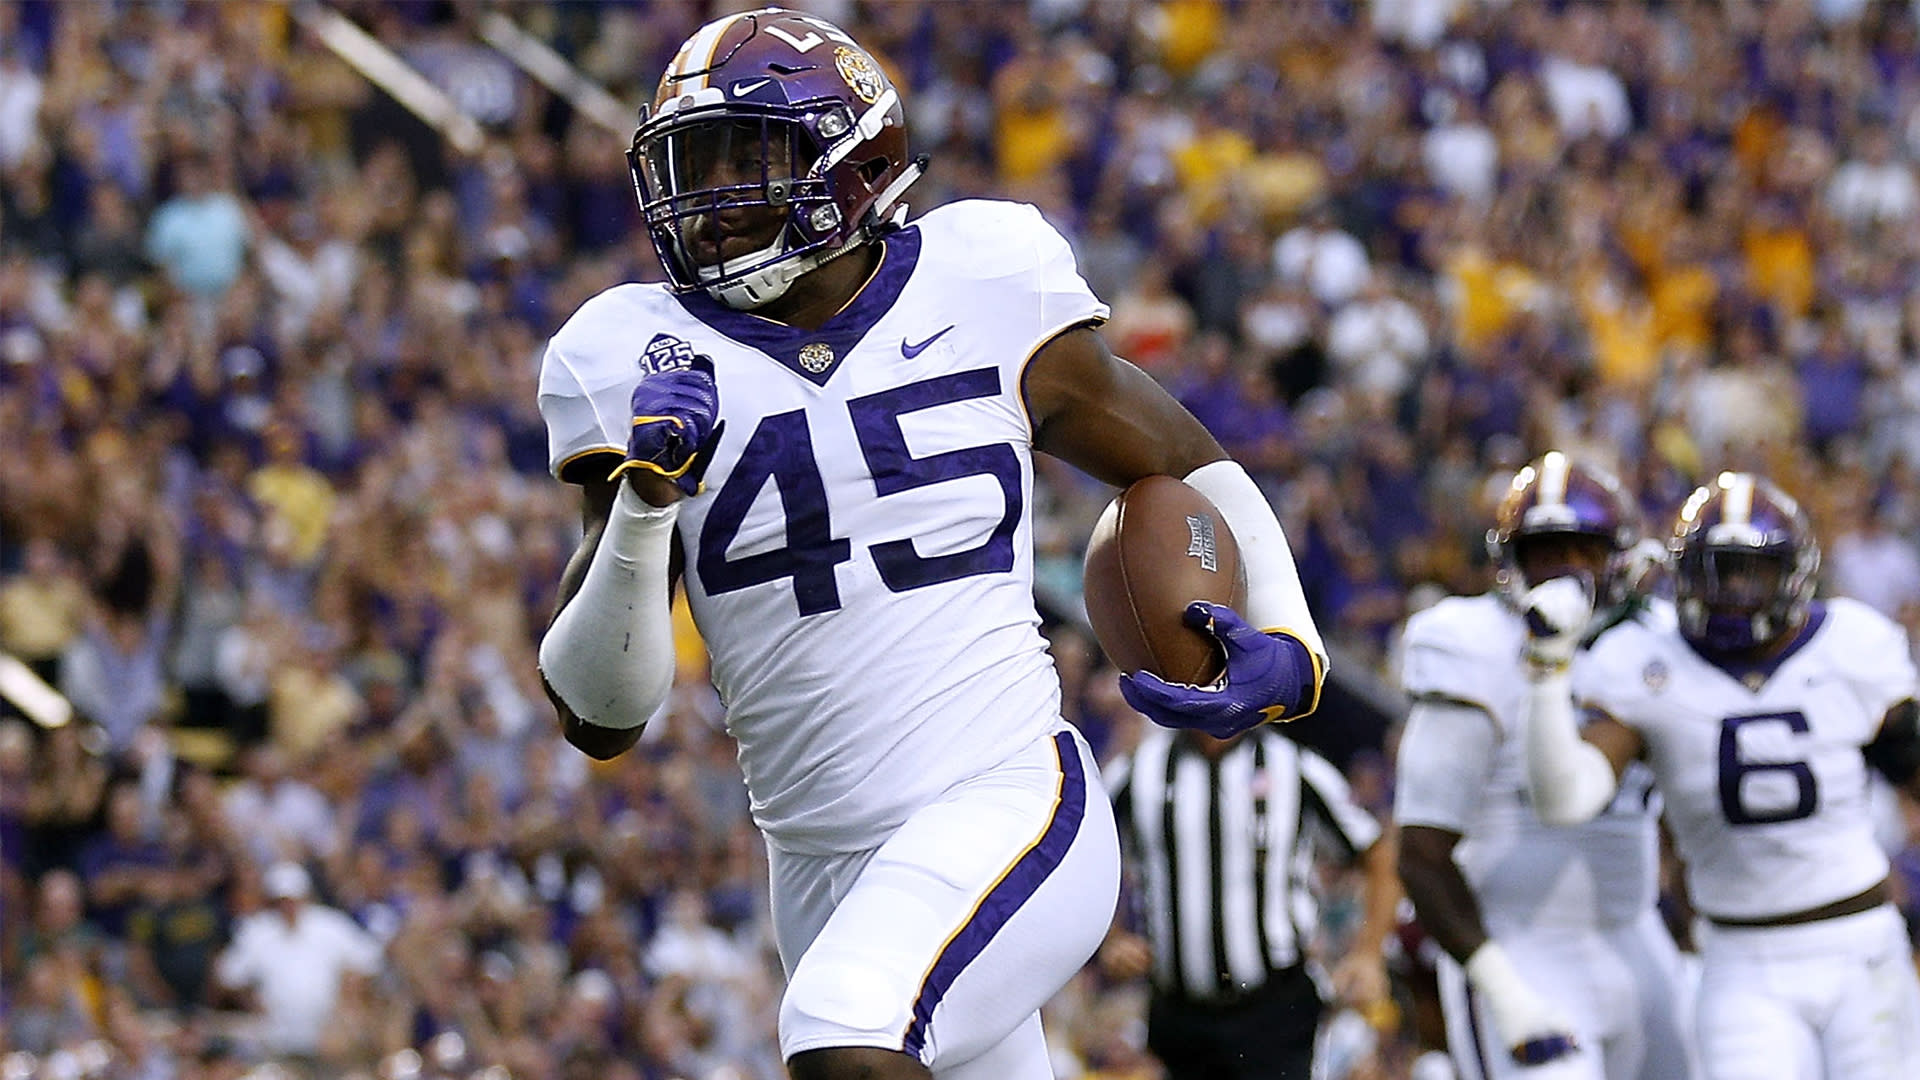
1529, 875
860, 559
1765, 785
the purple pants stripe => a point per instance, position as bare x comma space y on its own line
1014, 888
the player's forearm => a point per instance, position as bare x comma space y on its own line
1445, 904
1383, 894
1275, 600
608, 657
1571, 780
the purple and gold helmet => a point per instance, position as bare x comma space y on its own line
1558, 496
780, 119
1744, 563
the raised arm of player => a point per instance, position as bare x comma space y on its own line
1106, 416
633, 582
1572, 771
607, 659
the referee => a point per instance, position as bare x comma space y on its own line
1220, 837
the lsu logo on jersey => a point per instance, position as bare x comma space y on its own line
666, 353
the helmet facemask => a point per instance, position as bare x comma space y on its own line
1733, 598
733, 198
1572, 520
774, 175
1745, 565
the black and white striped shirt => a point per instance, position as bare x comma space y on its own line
1223, 852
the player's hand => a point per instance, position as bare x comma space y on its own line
1268, 677
1558, 612
1645, 562
1533, 1030
674, 425
1360, 978
1125, 956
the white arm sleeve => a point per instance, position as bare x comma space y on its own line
1275, 600
609, 654
1571, 780
1446, 757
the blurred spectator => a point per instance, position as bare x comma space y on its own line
42, 609
1461, 153
1833, 383
124, 867
114, 672
281, 817
20, 94
1377, 341
311, 269
294, 958
200, 236
1587, 96
1873, 189
59, 927
1317, 253
68, 784
1871, 562
177, 936
1150, 322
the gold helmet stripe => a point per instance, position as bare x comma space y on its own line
696, 56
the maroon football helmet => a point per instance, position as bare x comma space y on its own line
774, 143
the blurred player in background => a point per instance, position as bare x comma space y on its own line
823, 425
1558, 964
1760, 712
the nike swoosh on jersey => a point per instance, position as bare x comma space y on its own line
910, 350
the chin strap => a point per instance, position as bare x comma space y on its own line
763, 287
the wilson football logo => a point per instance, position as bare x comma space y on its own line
1200, 542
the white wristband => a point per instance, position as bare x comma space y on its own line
1520, 1015
609, 653
1275, 600
1492, 972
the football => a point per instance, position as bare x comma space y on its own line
1157, 547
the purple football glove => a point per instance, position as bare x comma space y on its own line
1268, 676
674, 425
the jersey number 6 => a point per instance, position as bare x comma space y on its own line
1735, 770
781, 449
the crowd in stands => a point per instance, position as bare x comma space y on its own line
274, 513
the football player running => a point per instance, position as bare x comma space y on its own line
1759, 714
823, 425
1557, 962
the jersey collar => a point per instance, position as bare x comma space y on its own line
1753, 674
899, 254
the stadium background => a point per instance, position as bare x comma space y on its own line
274, 515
